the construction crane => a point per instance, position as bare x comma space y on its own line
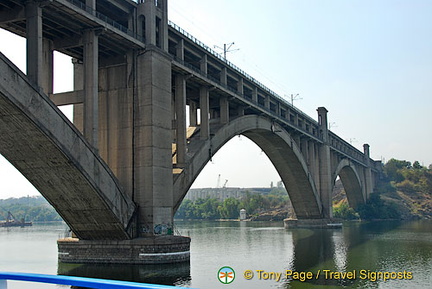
224, 185
11, 221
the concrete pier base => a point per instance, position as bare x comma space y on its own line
151, 250
313, 223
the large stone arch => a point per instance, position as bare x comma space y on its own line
39, 141
351, 182
278, 146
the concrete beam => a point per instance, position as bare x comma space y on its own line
13, 15
66, 98
69, 42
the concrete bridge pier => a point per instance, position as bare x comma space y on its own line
325, 175
324, 178
127, 115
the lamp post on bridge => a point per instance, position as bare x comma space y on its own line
226, 48
295, 97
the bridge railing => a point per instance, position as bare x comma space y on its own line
342, 146
75, 281
238, 70
106, 19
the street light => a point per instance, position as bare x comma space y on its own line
226, 48
295, 97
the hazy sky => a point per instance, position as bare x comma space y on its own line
369, 62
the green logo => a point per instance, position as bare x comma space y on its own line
226, 275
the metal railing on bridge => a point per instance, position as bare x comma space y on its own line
335, 141
75, 281
106, 19
237, 69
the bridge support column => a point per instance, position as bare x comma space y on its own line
204, 106
33, 13
91, 80
193, 113
223, 76
368, 187
255, 95
204, 64
325, 175
224, 110
240, 86
48, 64
180, 109
153, 155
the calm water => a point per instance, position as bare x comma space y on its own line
404, 248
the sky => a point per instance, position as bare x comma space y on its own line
369, 62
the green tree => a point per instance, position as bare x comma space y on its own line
393, 167
344, 211
376, 208
416, 165
230, 208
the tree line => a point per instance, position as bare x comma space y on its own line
31, 209
409, 179
212, 208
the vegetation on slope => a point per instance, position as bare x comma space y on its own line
33, 209
404, 192
212, 208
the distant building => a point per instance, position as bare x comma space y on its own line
223, 193
242, 214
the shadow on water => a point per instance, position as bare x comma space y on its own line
164, 274
329, 249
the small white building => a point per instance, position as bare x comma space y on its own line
242, 214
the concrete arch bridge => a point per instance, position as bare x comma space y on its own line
118, 173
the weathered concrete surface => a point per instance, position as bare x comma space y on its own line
149, 250
278, 146
46, 148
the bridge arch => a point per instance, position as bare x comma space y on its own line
351, 182
41, 143
280, 148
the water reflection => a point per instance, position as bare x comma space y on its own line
353, 248
165, 274
373, 247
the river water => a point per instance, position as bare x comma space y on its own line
361, 255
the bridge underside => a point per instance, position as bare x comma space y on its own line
44, 146
278, 146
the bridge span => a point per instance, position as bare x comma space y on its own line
120, 171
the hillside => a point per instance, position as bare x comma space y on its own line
404, 192
33, 209
408, 188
